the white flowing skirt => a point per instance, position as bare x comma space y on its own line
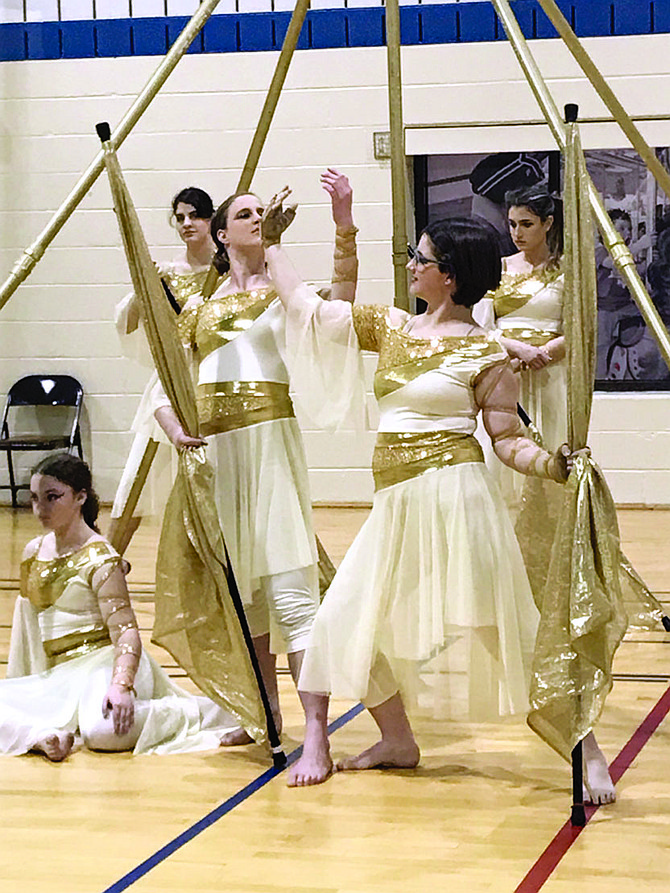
434, 590
69, 698
263, 501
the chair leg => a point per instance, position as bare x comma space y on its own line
12, 482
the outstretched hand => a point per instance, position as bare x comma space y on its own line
277, 218
341, 194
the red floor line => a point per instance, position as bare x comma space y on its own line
540, 873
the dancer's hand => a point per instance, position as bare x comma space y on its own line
570, 457
532, 357
528, 355
183, 441
120, 702
276, 219
562, 462
341, 194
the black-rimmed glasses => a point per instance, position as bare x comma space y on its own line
415, 255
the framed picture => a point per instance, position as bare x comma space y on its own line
475, 184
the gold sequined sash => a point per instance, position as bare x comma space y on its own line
509, 297
229, 405
536, 337
75, 644
44, 581
400, 456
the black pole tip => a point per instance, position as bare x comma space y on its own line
103, 131
578, 816
279, 759
571, 112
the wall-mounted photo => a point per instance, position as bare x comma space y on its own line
628, 358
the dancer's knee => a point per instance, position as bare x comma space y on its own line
293, 602
100, 735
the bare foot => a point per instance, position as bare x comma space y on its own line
55, 746
240, 736
384, 755
314, 766
236, 738
598, 786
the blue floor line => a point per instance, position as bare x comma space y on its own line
223, 809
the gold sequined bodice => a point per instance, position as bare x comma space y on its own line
218, 321
184, 285
403, 357
518, 289
44, 581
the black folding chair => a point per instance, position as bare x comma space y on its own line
40, 390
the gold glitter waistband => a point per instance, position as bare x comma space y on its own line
228, 405
536, 337
398, 456
75, 644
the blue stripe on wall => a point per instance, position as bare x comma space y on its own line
254, 32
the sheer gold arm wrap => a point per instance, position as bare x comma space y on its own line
345, 258
119, 617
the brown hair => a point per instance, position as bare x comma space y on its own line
74, 472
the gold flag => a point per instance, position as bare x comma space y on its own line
583, 595
196, 620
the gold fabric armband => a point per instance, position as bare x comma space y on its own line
345, 259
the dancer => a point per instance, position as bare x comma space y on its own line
238, 341
182, 278
526, 312
431, 604
76, 664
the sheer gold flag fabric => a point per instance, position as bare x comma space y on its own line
573, 530
196, 620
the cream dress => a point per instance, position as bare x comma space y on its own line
61, 661
432, 597
254, 442
529, 308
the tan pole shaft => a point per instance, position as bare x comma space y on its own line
273, 94
621, 256
398, 161
24, 267
266, 116
605, 92
122, 526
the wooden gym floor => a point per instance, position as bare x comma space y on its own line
478, 814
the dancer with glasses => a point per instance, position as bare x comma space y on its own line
431, 605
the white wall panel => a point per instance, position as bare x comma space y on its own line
148, 8
181, 7
11, 11
41, 10
112, 9
76, 10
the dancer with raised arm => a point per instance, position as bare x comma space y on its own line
237, 339
431, 605
76, 663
